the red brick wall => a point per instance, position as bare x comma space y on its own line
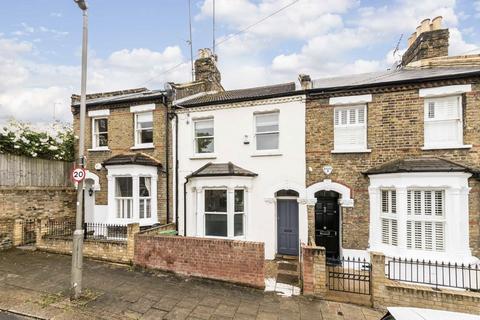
234, 261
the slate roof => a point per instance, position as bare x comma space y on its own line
392, 77
241, 95
132, 158
146, 94
423, 164
221, 169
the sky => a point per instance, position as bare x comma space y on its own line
144, 43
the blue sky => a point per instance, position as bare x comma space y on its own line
134, 43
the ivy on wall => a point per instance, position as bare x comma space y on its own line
54, 142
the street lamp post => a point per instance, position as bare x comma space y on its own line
77, 250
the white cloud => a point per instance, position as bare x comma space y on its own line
29, 90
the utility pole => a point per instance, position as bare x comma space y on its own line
77, 250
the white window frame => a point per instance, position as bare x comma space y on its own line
205, 212
256, 133
137, 131
230, 213
195, 138
424, 218
389, 217
146, 202
429, 122
96, 147
235, 213
338, 125
128, 200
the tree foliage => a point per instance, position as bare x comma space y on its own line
55, 142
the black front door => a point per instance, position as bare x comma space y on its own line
287, 226
327, 223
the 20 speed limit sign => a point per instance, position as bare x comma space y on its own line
78, 174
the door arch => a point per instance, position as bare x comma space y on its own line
287, 222
327, 222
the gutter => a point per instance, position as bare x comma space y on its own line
320, 91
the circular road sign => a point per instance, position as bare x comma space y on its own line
78, 174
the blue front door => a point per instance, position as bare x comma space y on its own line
287, 226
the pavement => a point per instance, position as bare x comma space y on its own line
35, 284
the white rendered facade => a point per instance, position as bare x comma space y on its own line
235, 131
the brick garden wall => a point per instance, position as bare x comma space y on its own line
120, 140
239, 262
395, 130
388, 293
107, 250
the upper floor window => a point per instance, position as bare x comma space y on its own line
350, 128
144, 129
267, 131
204, 136
99, 133
426, 220
443, 122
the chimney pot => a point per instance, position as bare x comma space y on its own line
419, 30
425, 25
437, 23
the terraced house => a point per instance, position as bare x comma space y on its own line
392, 157
127, 157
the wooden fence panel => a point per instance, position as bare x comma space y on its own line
22, 171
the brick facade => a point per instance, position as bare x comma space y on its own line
227, 260
121, 139
395, 130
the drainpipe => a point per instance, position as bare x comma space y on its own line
167, 162
185, 207
174, 115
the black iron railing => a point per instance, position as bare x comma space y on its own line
433, 273
101, 231
59, 228
349, 275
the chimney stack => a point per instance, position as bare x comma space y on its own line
206, 67
305, 81
428, 41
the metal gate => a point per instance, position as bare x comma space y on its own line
349, 275
29, 233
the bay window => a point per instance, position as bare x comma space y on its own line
239, 210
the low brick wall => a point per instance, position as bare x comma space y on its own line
234, 261
388, 293
107, 250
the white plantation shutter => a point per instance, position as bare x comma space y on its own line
425, 224
389, 218
443, 122
350, 131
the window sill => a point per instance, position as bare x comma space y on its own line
203, 156
143, 146
352, 151
99, 149
267, 154
465, 146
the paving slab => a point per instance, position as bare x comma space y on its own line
36, 283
